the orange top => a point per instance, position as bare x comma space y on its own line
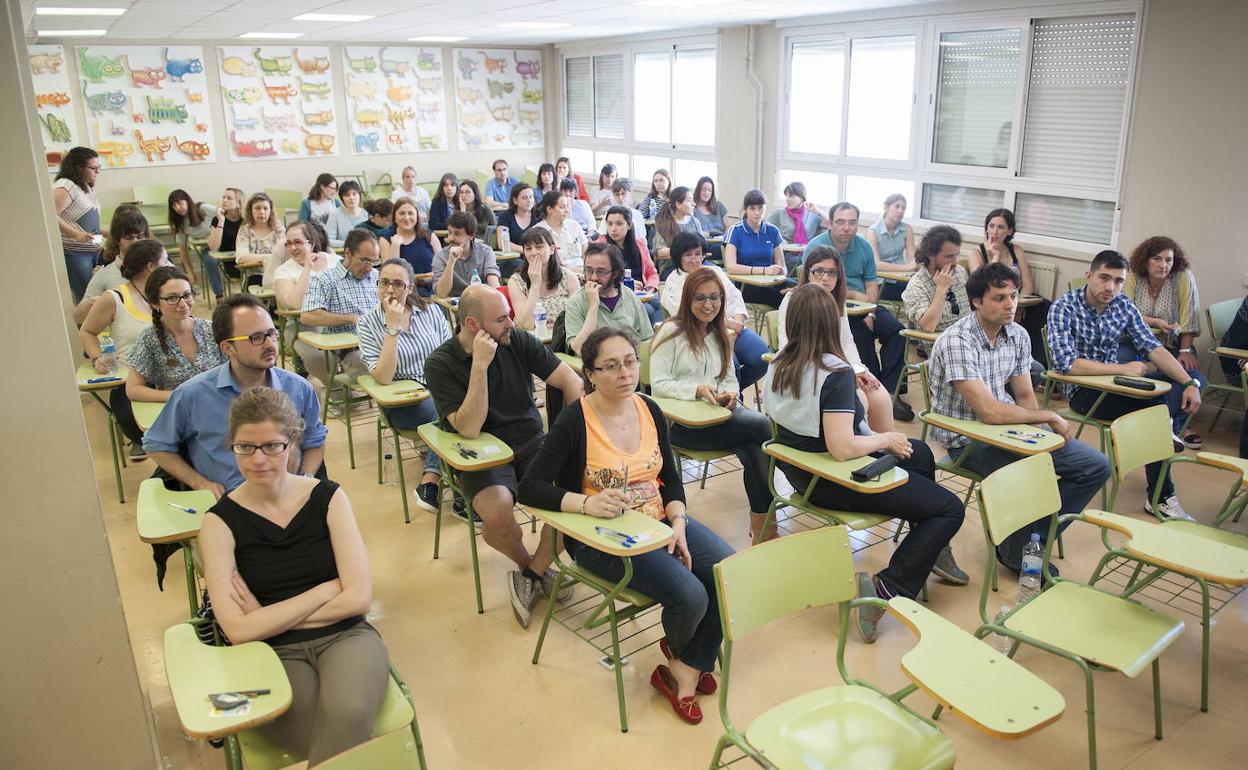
607, 467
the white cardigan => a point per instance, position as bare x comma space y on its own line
676, 370
734, 303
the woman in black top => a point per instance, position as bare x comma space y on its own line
521, 214
999, 246
443, 202
285, 564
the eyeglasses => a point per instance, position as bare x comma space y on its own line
173, 299
700, 298
93, 168
386, 283
270, 449
603, 271
845, 222
615, 366
130, 237
257, 339
953, 302
823, 272
296, 243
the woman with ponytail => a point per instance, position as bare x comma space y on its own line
177, 346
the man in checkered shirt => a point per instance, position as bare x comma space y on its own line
335, 300
1085, 328
976, 364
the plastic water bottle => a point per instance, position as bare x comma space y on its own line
504, 239
1000, 642
628, 278
1029, 576
539, 319
476, 277
108, 352
389, 471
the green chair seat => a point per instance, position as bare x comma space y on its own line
629, 595
702, 455
1214, 534
1226, 462
848, 728
396, 751
855, 521
1098, 627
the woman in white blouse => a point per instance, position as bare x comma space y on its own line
306, 255
691, 360
257, 237
540, 277
419, 195
570, 240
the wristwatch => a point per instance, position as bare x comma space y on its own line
1187, 350
393, 332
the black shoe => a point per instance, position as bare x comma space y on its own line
902, 411
460, 509
427, 496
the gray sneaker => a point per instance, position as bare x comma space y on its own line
948, 570
548, 584
1169, 509
868, 618
524, 593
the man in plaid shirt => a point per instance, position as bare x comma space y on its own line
1085, 327
335, 300
976, 364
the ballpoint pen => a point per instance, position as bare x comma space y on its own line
1025, 433
182, 508
1024, 440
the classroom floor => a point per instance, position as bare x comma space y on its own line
481, 703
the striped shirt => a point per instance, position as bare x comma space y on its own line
337, 290
962, 353
424, 333
1076, 330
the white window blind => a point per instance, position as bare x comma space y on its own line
1080, 73
579, 101
816, 97
1073, 218
959, 204
976, 90
609, 96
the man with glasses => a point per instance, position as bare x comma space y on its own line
454, 265
498, 189
604, 300
862, 283
189, 440
935, 297
336, 298
481, 381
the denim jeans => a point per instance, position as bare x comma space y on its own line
935, 515
119, 402
412, 417
212, 269
744, 434
748, 350
887, 366
79, 266
1113, 407
654, 310
1081, 471
690, 606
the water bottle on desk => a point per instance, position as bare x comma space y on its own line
504, 239
539, 320
628, 278
1029, 575
108, 352
476, 277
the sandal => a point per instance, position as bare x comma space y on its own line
686, 708
706, 682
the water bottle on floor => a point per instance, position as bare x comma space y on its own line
1000, 642
108, 352
1029, 575
476, 277
389, 470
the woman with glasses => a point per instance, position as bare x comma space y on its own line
306, 255
78, 215
413, 243
285, 564
935, 296
128, 227
604, 300
396, 338
321, 202
620, 233
176, 347
469, 199
609, 453
691, 360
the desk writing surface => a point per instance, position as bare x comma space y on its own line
1000, 435
86, 372
692, 414
757, 280
336, 341
397, 393
581, 526
856, 307
1105, 382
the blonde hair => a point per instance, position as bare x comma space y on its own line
268, 405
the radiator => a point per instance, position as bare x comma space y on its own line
1044, 278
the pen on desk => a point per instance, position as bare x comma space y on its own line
625, 540
1025, 433
182, 508
1024, 440
98, 380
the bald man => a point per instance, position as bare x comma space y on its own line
481, 381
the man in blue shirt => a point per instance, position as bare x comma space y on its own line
194, 425
862, 283
1085, 327
498, 189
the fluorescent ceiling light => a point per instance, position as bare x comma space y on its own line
79, 11
534, 24
270, 35
436, 39
332, 17
72, 32
684, 3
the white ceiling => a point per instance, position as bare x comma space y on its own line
397, 20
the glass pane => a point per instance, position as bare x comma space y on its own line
652, 97
644, 167
686, 173
959, 205
582, 162
693, 121
1073, 218
816, 97
975, 97
822, 189
618, 159
579, 100
609, 97
868, 193
881, 93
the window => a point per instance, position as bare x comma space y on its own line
617, 159
672, 103
881, 94
579, 104
1072, 218
582, 161
822, 189
975, 92
644, 167
594, 94
868, 193
686, 172
816, 97
652, 97
960, 205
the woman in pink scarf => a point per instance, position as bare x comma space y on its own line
800, 220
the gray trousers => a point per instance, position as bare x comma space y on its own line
314, 360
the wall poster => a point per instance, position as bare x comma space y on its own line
498, 98
394, 98
278, 101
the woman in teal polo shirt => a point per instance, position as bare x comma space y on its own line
754, 246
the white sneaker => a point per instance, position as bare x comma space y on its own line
1169, 509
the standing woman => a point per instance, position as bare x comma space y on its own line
412, 243
396, 338
563, 170
321, 201
800, 220
285, 564
443, 202
469, 199
708, 210
546, 179
610, 452
188, 221
346, 217
674, 218
570, 241
519, 216
409, 189
999, 246
754, 246
223, 237
602, 200
176, 347
78, 215
540, 277
691, 360
660, 187
257, 237
892, 240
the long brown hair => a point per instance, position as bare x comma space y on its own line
159, 277
421, 233
665, 220
688, 325
554, 268
813, 322
825, 254
414, 300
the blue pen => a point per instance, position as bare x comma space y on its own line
1024, 440
625, 540
98, 380
182, 508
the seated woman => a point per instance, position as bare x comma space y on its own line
321, 202
468, 199
395, 339
412, 243
443, 202
609, 453
223, 237
285, 564
348, 216
689, 255
176, 347
578, 209
188, 221
602, 200
547, 180
604, 300
674, 218
892, 240
660, 187
306, 253
823, 268
622, 195
127, 228
810, 395
518, 217
753, 246
1162, 285
563, 170
125, 313
258, 236
999, 246
709, 211
409, 189
540, 268
570, 240
637, 262
380, 220
691, 359
800, 220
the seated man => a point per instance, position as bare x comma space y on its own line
1237, 337
481, 380
863, 284
1085, 326
336, 298
189, 440
975, 365
498, 189
454, 264
935, 296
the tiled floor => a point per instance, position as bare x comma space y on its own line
483, 704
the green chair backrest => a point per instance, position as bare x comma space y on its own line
643, 353
1140, 438
284, 201
156, 214
1220, 315
152, 193
783, 576
772, 319
430, 187
482, 177
1076, 283
380, 190
529, 177
1018, 494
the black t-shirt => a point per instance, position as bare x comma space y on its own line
838, 394
229, 234
512, 416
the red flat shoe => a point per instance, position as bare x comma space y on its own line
706, 682
686, 708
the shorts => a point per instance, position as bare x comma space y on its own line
509, 475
